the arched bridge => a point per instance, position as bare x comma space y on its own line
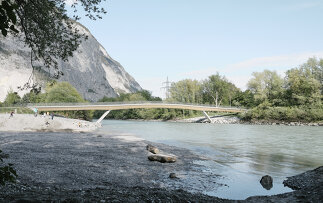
131, 105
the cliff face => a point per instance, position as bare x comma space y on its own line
91, 70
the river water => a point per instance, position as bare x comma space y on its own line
242, 154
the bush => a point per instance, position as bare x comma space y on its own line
304, 113
7, 172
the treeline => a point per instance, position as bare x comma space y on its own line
296, 97
144, 95
55, 92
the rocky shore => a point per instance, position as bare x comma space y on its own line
237, 120
92, 167
266, 122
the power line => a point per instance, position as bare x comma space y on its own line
166, 87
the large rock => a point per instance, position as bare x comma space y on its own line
162, 158
91, 70
266, 182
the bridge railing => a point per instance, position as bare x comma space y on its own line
126, 103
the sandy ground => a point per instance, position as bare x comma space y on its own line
28, 122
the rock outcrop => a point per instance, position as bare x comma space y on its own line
91, 70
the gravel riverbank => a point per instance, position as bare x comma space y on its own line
78, 167
28, 122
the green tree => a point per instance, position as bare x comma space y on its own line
33, 97
218, 90
46, 28
302, 87
267, 86
316, 68
63, 92
187, 91
12, 98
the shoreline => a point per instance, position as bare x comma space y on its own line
94, 167
41, 123
230, 120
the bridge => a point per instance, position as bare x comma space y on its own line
131, 105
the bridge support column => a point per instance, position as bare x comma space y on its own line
207, 116
103, 116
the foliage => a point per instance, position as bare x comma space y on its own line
46, 28
302, 86
266, 86
7, 172
64, 92
12, 98
162, 114
187, 91
265, 112
33, 97
218, 90
8, 17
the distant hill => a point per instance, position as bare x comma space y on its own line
91, 70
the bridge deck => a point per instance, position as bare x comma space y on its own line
97, 106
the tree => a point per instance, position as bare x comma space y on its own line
45, 27
266, 86
316, 68
187, 91
64, 92
302, 86
217, 89
12, 98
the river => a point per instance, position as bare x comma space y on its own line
242, 154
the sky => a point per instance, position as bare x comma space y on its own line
180, 39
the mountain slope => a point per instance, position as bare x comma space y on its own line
91, 70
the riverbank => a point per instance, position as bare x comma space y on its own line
28, 122
237, 120
78, 167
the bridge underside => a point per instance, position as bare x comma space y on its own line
136, 106
109, 107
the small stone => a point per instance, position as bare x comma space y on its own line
172, 175
152, 149
266, 182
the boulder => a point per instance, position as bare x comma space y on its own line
152, 149
266, 182
162, 158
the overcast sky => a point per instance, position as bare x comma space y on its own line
182, 39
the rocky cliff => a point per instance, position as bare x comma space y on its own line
91, 70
